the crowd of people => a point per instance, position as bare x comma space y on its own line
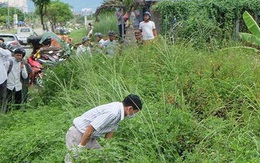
101, 120
144, 27
107, 47
144, 32
14, 71
87, 128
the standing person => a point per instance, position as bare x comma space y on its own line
148, 29
135, 15
84, 47
101, 120
5, 55
121, 23
15, 69
110, 44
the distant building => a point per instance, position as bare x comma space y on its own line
20, 4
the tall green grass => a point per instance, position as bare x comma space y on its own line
199, 106
106, 24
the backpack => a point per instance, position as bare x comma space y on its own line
10, 67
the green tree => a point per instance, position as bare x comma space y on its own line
58, 13
3, 15
12, 11
41, 8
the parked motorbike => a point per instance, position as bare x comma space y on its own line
37, 68
49, 56
48, 50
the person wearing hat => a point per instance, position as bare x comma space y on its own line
99, 39
110, 44
101, 120
15, 69
84, 47
148, 29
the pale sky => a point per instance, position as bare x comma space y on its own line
78, 5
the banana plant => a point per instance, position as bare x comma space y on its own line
254, 36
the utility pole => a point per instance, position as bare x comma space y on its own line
85, 19
85, 13
8, 16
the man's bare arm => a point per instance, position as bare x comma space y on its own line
87, 134
155, 33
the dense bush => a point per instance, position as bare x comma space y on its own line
205, 22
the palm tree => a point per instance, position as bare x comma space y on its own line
125, 4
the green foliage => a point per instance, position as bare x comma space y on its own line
206, 21
12, 11
41, 6
34, 138
107, 23
58, 13
253, 27
199, 106
77, 35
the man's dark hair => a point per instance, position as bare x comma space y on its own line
2, 39
134, 101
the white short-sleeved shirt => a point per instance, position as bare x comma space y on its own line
110, 47
104, 118
147, 30
83, 49
101, 42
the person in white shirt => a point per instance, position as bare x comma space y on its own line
15, 69
99, 39
148, 29
5, 55
101, 120
99, 42
110, 45
84, 47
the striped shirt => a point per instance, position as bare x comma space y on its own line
104, 118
